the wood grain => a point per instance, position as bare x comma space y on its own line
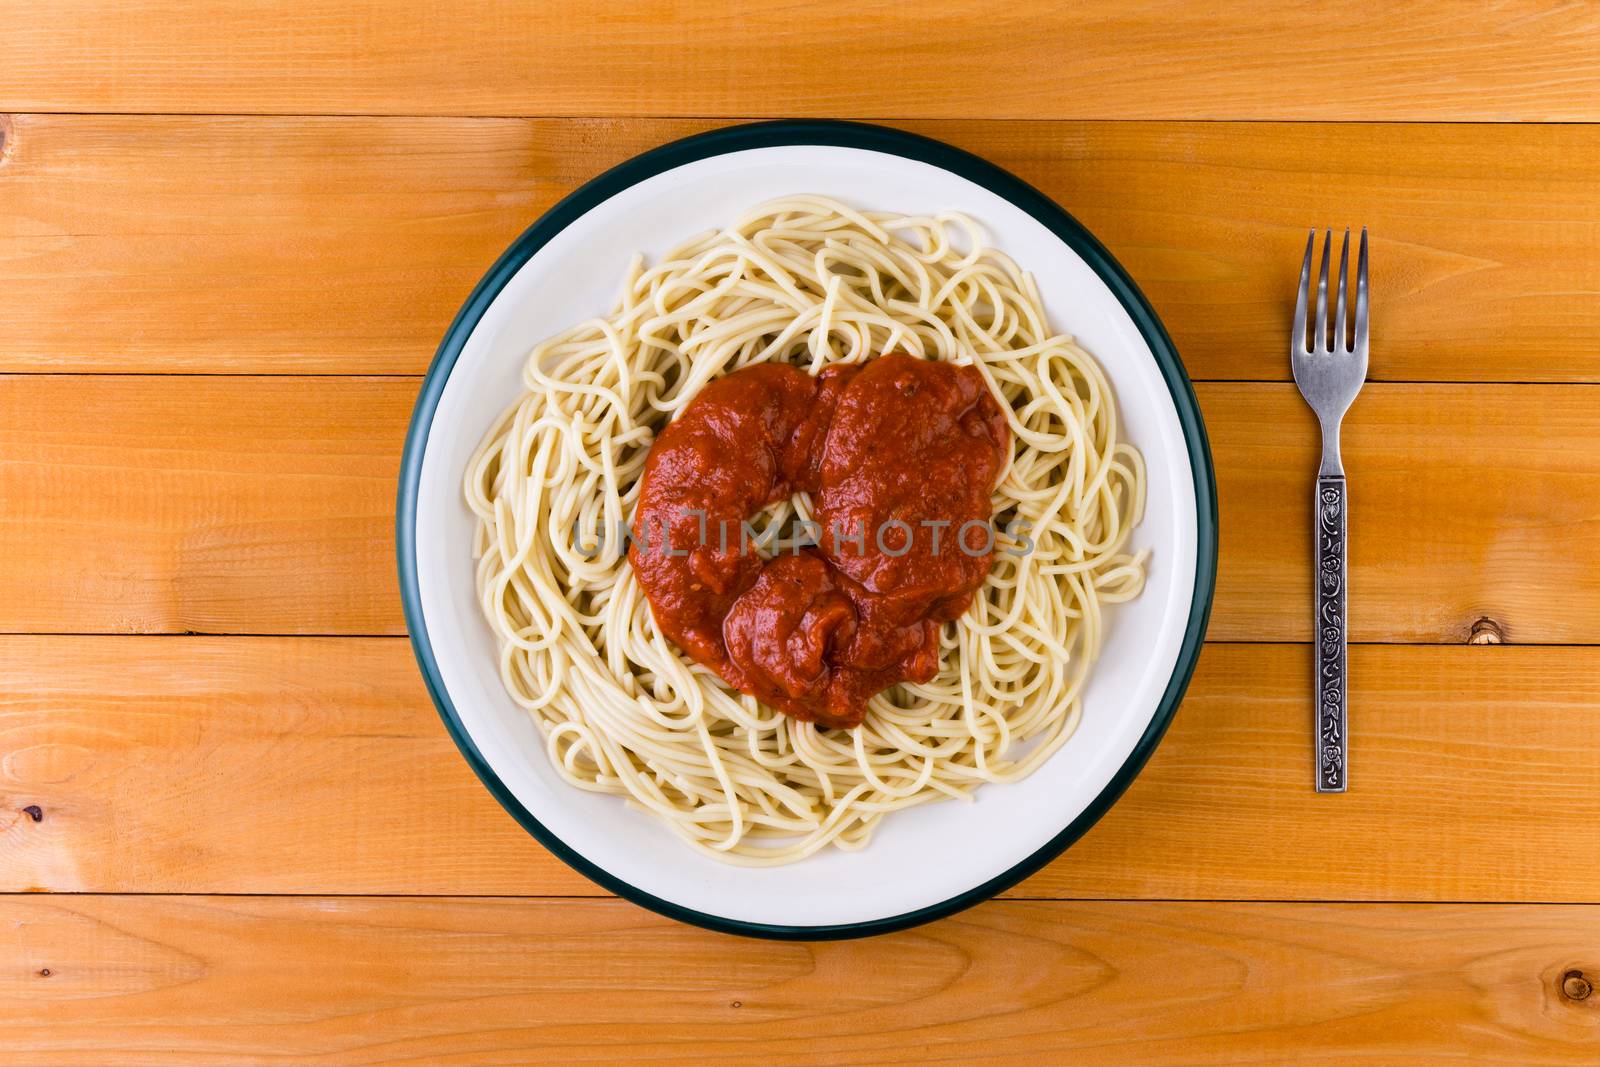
162, 243
263, 505
275, 765
1465, 502
174, 504
265, 190
1530, 59
162, 981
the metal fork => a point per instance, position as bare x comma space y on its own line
1329, 371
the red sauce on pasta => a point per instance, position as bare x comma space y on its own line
899, 455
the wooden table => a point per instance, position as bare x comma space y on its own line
232, 829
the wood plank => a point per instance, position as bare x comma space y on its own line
174, 504
159, 243
1470, 772
262, 505
1465, 502
1530, 59
272, 245
271, 765
274, 765
230, 981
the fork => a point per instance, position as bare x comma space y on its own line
1329, 372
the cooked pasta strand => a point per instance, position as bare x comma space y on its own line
807, 281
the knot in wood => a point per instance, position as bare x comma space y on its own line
1486, 632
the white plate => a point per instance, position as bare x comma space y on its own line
921, 863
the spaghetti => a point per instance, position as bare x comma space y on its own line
809, 282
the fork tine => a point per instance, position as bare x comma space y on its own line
1299, 331
1320, 323
1361, 294
1338, 306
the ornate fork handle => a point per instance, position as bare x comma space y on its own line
1333, 754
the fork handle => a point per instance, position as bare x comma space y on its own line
1330, 636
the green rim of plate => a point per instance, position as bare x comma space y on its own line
844, 135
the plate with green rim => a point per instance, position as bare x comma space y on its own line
922, 863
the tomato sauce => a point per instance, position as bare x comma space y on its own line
899, 455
